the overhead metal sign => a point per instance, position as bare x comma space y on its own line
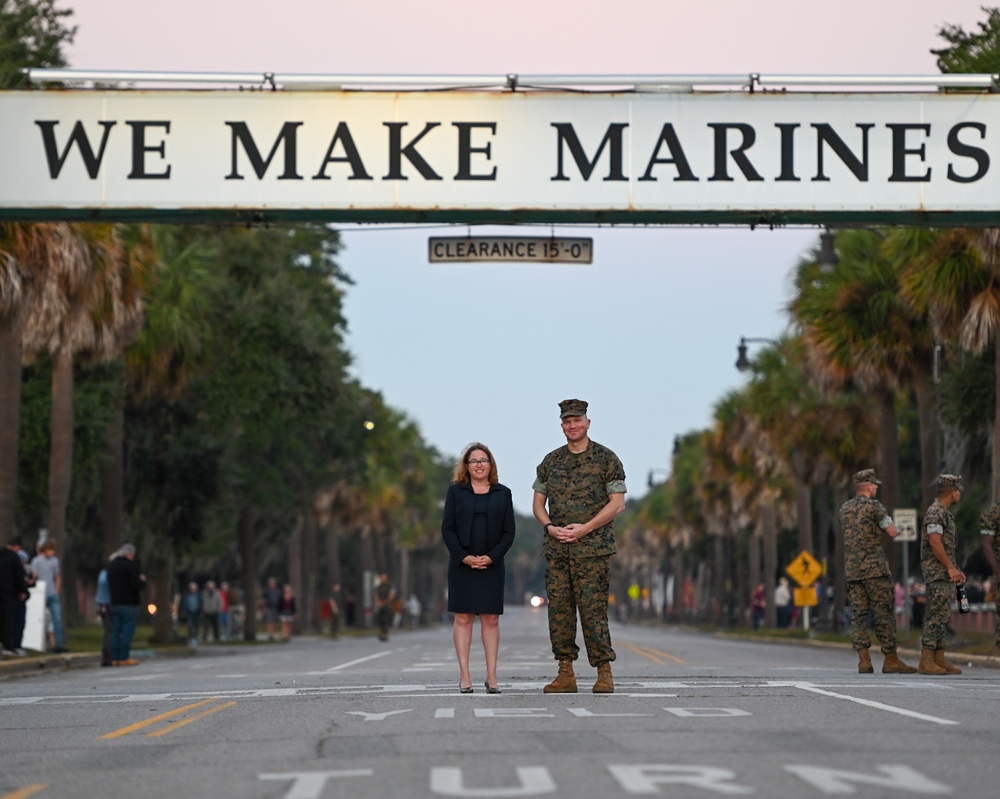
493, 156
538, 249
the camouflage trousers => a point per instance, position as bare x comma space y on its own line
875, 595
579, 584
938, 613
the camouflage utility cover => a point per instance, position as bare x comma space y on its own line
577, 487
862, 521
937, 521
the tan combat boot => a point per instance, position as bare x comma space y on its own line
949, 668
893, 665
927, 664
605, 684
865, 662
565, 681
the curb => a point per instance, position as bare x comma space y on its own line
15, 667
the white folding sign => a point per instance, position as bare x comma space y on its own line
501, 156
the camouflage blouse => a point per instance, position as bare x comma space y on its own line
862, 520
937, 521
989, 524
577, 487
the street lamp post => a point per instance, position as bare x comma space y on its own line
742, 361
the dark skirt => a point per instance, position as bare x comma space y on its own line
475, 590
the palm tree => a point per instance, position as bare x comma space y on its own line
90, 304
860, 332
27, 254
955, 275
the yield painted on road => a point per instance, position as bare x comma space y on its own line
165, 717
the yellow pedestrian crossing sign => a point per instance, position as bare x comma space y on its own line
805, 569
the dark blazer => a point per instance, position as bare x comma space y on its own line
456, 525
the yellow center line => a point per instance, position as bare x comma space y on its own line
184, 723
161, 717
25, 792
653, 654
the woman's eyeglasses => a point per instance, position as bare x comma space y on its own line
483, 461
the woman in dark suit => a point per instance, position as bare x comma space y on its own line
478, 529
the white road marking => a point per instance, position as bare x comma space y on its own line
804, 686
359, 660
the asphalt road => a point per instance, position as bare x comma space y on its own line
693, 715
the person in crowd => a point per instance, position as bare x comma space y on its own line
102, 603
286, 612
191, 609
478, 529
385, 599
579, 490
938, 544
272, 599
13, 593
22, 607
413, 610
863, 520
989, 529
333, 605
211, 609
45, 566
125, 581
758, 605
783, 603
225, 616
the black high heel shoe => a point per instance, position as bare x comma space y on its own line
489, 688
464, 690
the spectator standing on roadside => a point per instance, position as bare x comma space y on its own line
22, 611
938, 553
125, 581
758, 604
286, 612
191, 608
45, 566
102, 601
782, 603
13, 591
863, 520
385, 599
225, 627
272, 599
333, 603
211, 608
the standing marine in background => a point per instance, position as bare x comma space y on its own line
989, 529
863, 519
938, 555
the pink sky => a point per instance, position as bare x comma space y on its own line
461, 36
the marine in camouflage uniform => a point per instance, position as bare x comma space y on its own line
989, 529
869, 581
940, 573
579, 486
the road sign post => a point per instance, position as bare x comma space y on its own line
906, 527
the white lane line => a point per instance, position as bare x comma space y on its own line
805, 686
359, 660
